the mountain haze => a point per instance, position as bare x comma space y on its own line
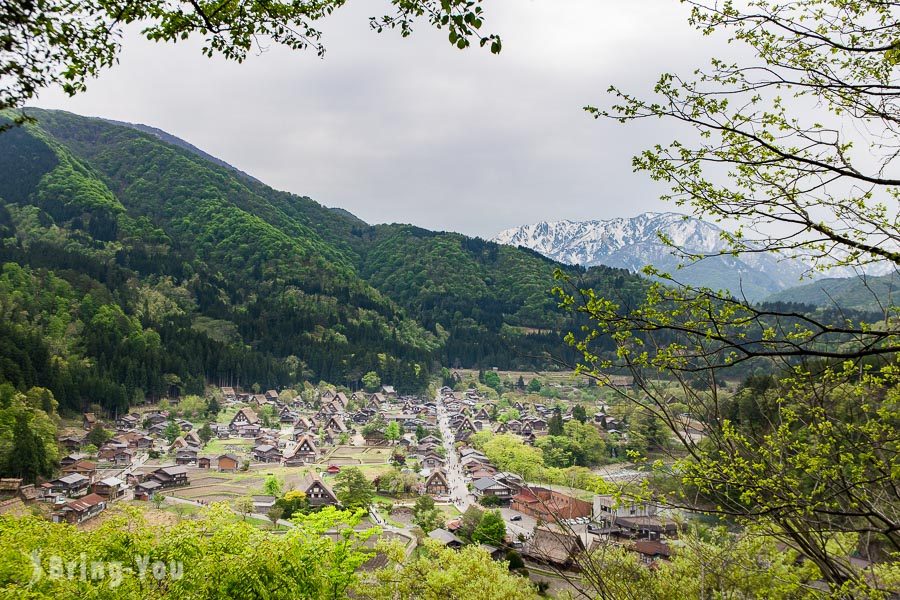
870, 293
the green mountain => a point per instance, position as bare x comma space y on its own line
873, 294
137, 265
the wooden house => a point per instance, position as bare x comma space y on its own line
79, 511
554, 546
173, 476
266, 453
145, 489
71, 486
227, 462
446, 538
302, 452
110, 488
432, 461
317, 492
488, 486
87, 468
436, 484
186, 456
243, 418
88, 420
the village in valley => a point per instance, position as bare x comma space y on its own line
419, 466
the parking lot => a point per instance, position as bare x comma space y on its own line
524, 526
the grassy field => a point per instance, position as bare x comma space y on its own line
225, 415
357, 456
237, 446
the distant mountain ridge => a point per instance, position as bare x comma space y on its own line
871, 293
633, 243
177, 141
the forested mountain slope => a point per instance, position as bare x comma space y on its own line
869, 293
166, 269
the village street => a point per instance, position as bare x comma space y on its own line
459, 492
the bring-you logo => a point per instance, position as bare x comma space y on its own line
56, 567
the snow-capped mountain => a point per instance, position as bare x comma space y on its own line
633, 243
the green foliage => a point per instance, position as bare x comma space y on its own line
489, 501
580, 445
371, 381
353, 489
508, 415
579, 413
469, 522
275, 513
396, 482
426, 516
534, 386
393, 432
509, 453
438, 573
492, 380
491, 300
205, 433
273, 486
115, 285
98, 435
515, 560
244, 506
293, 502
27, 433
490, 530
172, 431
209, 557
555, 423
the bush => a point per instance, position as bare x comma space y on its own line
489, 501
515, 560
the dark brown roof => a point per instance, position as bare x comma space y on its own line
553, 545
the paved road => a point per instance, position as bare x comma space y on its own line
459, 492
260, 516
524, 526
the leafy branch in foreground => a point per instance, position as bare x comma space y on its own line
66, 42
796, 147
803, 136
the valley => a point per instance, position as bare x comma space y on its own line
284, 355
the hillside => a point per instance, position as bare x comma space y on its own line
870, 293
173, 268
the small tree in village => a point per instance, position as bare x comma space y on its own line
426, 515
244, 506
273, 486
353, 489
292, 502
392, 432
491, 529
371, 381
205, 433
274, 515
172, 431
98, 435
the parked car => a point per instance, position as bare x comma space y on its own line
516, 518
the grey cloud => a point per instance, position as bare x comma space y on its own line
412, 130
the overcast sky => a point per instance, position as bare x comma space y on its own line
415, 131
